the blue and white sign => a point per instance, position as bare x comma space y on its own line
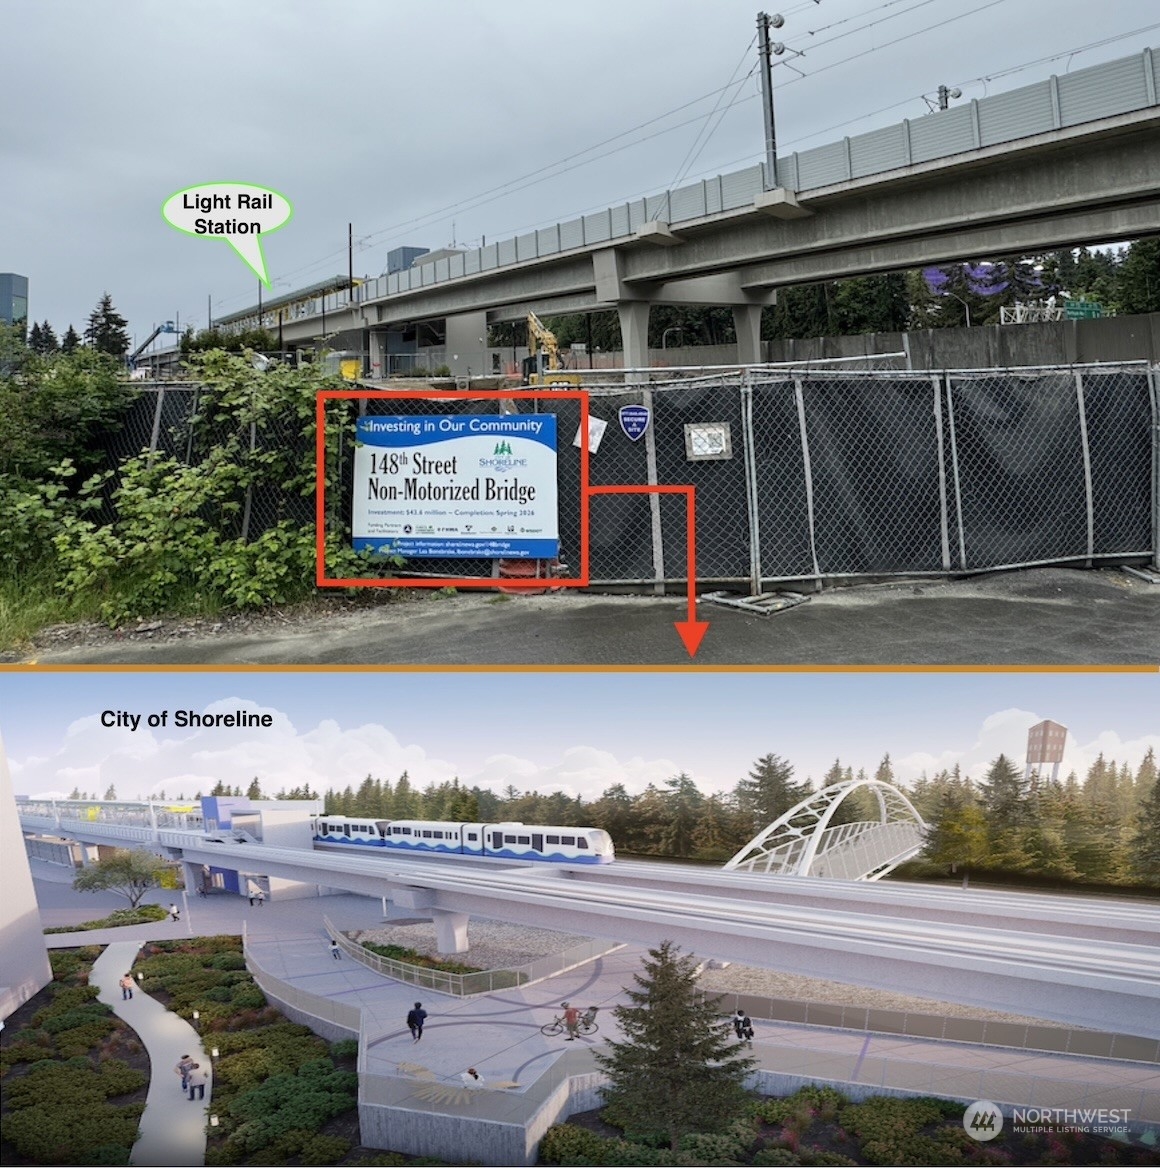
634, 421
456, 485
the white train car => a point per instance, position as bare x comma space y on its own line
511, 841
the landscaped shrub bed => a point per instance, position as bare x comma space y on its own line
143, 914
819, 1126
281, 1094
74, 1075
413, 957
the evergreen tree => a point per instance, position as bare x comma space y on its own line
46, 342
33, 341
1138, 278
713, 837
679, 1068
1145, 777
1145, 849
106, 330
111, 792
769, 791
683, 813
71, 341
885, 771
254, 790
957, 831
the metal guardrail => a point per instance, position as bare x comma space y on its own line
467, 984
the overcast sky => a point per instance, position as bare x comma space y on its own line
560, 731
437, 122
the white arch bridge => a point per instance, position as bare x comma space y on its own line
806, 842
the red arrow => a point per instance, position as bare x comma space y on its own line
692, 630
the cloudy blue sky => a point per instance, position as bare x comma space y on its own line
442, 122
576, 732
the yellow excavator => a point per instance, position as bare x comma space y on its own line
542, 366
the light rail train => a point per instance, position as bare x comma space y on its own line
509, 841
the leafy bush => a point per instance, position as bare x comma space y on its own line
344, 1048
568, 1143
412, 957
776, 1158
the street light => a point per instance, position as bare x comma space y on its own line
665, 336
946, 292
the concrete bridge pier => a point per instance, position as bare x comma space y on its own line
450, 930
747, 325
466, 341
633, 316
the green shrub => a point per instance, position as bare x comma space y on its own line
776, 1158
54, 1023
118, 1078
247, 997
228, 961
730, 1144
321, 1149
344, 1048
568, 1143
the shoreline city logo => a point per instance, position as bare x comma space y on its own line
501, 461
982, 1120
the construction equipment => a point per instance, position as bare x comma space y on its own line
543, 352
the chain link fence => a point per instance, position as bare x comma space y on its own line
805, 473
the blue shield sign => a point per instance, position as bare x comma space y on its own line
634, 421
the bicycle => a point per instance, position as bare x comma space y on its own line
586, 1025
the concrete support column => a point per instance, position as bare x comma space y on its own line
378, 367
467, 344
450, 930
192, 875
634, 332
747, 323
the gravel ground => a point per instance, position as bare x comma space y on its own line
495, 945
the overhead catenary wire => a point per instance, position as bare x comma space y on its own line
596, 152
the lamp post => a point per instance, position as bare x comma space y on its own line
965, 305
665, 335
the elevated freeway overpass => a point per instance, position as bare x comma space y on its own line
1076, 960
1066, 161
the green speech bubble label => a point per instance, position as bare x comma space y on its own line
239, 213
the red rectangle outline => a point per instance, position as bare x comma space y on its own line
322, 396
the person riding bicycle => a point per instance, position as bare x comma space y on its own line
571, 1020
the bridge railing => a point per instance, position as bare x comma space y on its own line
466, 984
1087, 95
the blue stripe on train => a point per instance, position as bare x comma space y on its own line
503, 853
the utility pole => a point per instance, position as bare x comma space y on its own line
765, 50
350, 261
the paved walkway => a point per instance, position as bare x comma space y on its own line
499, 1034
172, 1130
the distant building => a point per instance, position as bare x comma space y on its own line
1045, 743
400, 258
24, 968
14, 298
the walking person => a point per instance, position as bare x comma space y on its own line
197, 1081
128, 985
571, 1020
737, 1019
184, 1066
746, 1030
415, 1019
335, 951
260, 897
174, 912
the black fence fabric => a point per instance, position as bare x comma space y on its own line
798, 474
